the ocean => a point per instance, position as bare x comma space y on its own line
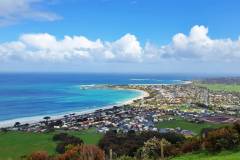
29, 95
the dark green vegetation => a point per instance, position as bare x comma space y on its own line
214, 143
184, 124
129, 143
16, 144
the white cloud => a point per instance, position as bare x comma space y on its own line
126, 48
197, 46
13, 11
45, 47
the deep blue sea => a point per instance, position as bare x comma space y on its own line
38, 94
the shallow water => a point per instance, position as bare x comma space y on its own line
29, 95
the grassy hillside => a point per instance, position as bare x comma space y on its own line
221, 87
225, 155
15, 144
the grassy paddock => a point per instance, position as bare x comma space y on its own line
196, 128
221, 87
15, 144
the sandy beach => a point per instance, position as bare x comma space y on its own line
36, 119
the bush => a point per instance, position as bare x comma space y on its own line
236, 126
61, 147
60, 137
153, 147
171, 150
128, 144
65, 140
223, 138
191, 145
82, 152
39, 155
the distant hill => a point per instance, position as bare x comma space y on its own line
223, 80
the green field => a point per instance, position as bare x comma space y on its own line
225, 155
15, 144
183, 124
221, 87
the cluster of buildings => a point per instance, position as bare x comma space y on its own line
188, 102
191, 95
122, 119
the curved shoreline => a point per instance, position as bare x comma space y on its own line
38, 118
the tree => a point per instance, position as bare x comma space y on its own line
47, 118
17, 124
154, 148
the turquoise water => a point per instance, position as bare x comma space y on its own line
36, 100
30, 95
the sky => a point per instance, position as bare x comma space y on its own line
120, 36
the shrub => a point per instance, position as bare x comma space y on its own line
60, 137
39, 155
223, 138
171, 150
153, 147
236, 126
128, 144
65, 140
191, 145
83, 152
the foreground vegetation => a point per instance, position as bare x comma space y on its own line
149, 145
221, 87
224, 155
16, 144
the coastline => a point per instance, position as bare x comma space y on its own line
38, 118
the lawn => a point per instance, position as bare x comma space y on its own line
15, 144
183, 124
221, 87
225, 155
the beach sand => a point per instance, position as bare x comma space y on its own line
36, 119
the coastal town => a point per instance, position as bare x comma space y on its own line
161, 103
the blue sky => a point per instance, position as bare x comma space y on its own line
136, 34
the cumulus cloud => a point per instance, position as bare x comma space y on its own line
13, 11
197, 45
45, 47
